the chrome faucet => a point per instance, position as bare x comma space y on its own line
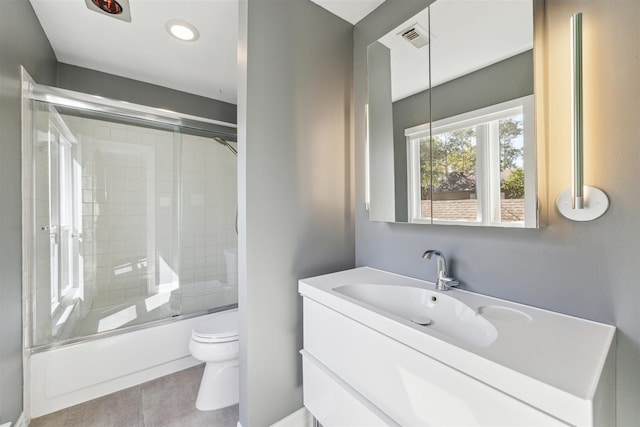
443, 282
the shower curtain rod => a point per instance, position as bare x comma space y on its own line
84, 101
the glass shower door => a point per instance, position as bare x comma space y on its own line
106, 223
133, 223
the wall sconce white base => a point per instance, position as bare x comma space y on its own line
596, 204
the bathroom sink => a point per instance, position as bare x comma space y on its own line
425, 309
364, 321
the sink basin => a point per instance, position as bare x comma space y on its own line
425, 309
368, 326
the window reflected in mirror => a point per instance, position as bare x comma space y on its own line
471, 167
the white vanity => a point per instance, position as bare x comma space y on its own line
384, 349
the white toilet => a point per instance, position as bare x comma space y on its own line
215, 342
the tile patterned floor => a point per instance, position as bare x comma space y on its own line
164, 402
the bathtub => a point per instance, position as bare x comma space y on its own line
65, 376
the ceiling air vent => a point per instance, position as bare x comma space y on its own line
416, 35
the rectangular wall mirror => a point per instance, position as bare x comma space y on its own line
451, 118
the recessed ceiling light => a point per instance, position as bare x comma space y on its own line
182, 30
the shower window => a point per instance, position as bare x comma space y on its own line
133, 222
64, 213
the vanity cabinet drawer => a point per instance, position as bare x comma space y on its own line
334, 403
411, 388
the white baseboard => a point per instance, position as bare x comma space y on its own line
20, 422
300, 418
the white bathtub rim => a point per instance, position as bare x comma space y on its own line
128, 329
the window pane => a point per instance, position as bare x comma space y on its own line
453, 175
511, 169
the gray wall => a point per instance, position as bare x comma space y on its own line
295, 183
590, 270
138, 92
22, 42
505, 80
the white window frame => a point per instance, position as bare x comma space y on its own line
64, 296
488, 153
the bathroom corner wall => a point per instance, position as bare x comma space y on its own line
296, 221
22, 42
590, 270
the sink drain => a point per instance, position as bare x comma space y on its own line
421, 320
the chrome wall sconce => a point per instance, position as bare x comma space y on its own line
580, 202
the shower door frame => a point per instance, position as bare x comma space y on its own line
68, 98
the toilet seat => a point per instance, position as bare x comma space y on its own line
220, 328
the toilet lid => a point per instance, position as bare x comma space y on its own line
220, 327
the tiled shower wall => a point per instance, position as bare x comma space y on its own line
209, 203
141, 234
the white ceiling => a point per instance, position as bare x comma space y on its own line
350, 10
486, 31
143, 50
